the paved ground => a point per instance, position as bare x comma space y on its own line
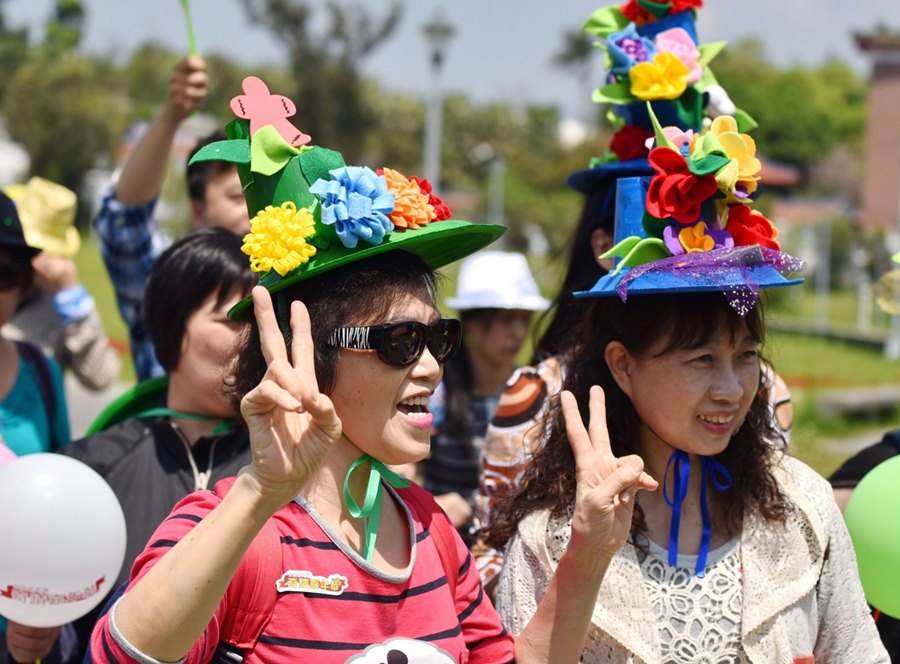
85, 405
850, 445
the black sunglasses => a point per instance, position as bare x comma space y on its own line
401, 344
11, 277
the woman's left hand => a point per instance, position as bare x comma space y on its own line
605, 484
30, 644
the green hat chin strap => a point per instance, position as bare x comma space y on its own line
225, 425
370, 511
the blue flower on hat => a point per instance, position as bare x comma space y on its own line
356, 202
627, 48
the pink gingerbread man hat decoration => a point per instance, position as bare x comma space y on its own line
262, 108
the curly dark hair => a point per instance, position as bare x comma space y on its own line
361, 293
683, 320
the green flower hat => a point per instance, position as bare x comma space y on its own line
311, 213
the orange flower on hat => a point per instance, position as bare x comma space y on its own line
411, 207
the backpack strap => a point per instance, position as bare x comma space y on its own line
41, 367
438, 526
252, 592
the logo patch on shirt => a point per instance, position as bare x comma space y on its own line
303, 581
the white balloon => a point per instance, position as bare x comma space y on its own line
63, 539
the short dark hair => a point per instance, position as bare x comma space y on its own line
201, 263
199, 173
361, 293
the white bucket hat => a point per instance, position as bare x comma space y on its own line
496, 280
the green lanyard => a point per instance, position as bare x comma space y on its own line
225, 424
370, 511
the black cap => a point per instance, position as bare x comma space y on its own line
11, 234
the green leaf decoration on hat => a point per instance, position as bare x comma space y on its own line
658, 9
637, 251
317, 163
708, 165
236, 151
614, 119
605, 21
269, 152
709, 51
607, 157
653, 227
745, 121
689, 107
614, 93
660, 137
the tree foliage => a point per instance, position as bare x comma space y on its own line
59, 109
325, 64
804, 113
13, 51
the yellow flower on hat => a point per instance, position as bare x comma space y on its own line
741, 149
664, 78
277, 238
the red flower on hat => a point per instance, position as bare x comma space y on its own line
441, 211
630, 142
675, 192
749, 227
633, 11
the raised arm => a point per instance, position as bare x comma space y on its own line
85, 345
292, 427
142, 174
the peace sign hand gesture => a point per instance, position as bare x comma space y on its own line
292, 425
605, 485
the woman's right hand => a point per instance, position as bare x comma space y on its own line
292, 425
605, 484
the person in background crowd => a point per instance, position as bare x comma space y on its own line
192, 439
496, 297
845, 479
130, 240
60, 316
33, 413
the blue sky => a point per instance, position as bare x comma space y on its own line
500, 51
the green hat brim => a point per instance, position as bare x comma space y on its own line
437, 244
131, 403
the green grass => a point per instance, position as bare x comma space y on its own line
810, 364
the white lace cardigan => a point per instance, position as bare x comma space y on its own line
800, 586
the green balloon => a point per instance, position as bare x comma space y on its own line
872, 519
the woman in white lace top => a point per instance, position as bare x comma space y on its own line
742, 555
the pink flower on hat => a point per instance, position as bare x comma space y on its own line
679, 43
677, 136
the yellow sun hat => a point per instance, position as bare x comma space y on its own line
47, 212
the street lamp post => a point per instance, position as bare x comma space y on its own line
437, 33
